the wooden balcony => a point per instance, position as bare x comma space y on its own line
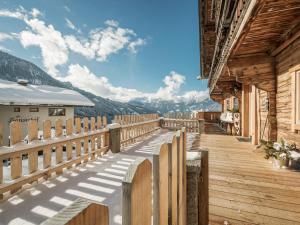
243, 186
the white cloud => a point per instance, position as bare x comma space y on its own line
55, 46
5, 36
112, 23
35, 12
109, 41
132, 47
18, 14
51, 42
2, 48
71, 25
79, 47
83, 78
67, 8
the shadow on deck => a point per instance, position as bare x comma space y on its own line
243, 186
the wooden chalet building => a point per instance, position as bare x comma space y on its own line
250, 53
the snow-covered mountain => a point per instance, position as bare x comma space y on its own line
163, 107
13, 68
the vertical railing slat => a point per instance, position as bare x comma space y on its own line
136, 185
47, 150
58, 133
32, 156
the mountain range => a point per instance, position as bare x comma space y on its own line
13, 68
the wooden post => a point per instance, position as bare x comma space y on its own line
173, 192
136, 186
245, 111
197, 187
254, 116
203, 189
184, 198
160, 186
115, 137
180, 177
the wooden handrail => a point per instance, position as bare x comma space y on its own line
19, 150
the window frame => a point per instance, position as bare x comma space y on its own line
17, 109
56, 108
34, 109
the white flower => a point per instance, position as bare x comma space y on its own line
282, 156
277, 146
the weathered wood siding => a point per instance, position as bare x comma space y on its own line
285, 61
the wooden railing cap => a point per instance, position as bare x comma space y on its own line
132, 169
114, 126
157, 151
69, 212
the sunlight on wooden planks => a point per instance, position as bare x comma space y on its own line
243, 186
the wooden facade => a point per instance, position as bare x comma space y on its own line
253, 54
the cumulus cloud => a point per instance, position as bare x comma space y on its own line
51, 42
112, 23
55, 46
35, 12
83, 78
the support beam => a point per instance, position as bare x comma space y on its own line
254, 116
245, 110
253, 60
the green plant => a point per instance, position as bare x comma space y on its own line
279, 150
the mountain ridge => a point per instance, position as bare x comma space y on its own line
13, 68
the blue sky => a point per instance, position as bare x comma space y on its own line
113, 48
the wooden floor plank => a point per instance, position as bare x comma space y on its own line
244, 188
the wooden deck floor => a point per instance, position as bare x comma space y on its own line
244, 188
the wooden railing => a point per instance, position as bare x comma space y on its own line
83, 140
132, 132
86, 140
209, 117
191, 125
131, 119
181, 115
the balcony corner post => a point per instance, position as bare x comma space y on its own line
114, 137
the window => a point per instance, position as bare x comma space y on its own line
57, 111
228, 104
33, 109
17, 109
236, 104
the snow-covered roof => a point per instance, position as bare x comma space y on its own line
12, 93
